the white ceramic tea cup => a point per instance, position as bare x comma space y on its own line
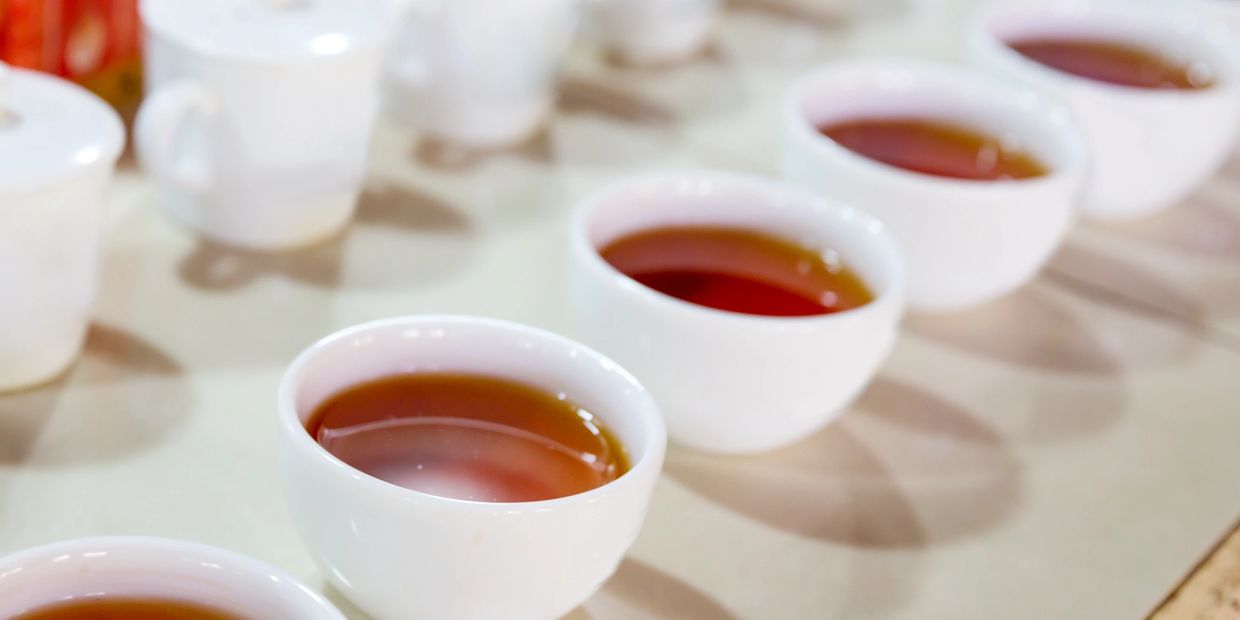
965, 242
140, 567
58, 149
730, 382
257, 124
646, 32
1150, 148
478, 73
399, 553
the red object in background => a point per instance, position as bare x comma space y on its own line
96, 43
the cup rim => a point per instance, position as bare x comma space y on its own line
1184, 26
652, 428
1052, 117
287, 587
152, 24
878, 235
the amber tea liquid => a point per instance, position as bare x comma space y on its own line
126, 608
934, 148
469, 437
738, 271
1115, 63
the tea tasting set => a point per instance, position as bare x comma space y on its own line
255, 134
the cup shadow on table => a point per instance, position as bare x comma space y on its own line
657, 98
1102, 276
575, 95
1206, 225
1078, 384
1027, 328
1032, 329
47, 426
355, 258
823, 14
583, 95
442, 156
944, 477
638, 584
656, 593
941, 477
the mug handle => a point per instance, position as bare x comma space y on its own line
158, 125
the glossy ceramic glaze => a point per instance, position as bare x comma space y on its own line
729, 382
965, 242
402, 554
59, 145
1149, 148
260, 143
156, 567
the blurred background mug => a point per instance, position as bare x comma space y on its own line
652, 32
59, 145
259, 112
479, 73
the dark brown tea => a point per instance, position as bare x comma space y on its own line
934, 148
470, 437
738, 271
1115, 63
126, 608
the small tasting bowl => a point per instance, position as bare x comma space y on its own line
399, 553
1150, 148
965, 242
729, 382
141, 567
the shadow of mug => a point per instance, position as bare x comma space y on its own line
361, 257
127, 396
940, 477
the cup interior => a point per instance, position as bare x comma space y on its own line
473, 345
734, 201
141, 567
1018, 118
1179, 37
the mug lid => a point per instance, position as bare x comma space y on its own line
52, 129
268, 29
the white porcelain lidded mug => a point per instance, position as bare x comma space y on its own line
478, 73
399, 553
644, 32
58, 150
1150, 148
730, 382
135, 567
257, 124
965, 241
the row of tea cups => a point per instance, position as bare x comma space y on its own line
399, 553
964, 242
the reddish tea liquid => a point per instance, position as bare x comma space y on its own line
738, 271
1115, 63
126, 608
469, 437
934, 148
